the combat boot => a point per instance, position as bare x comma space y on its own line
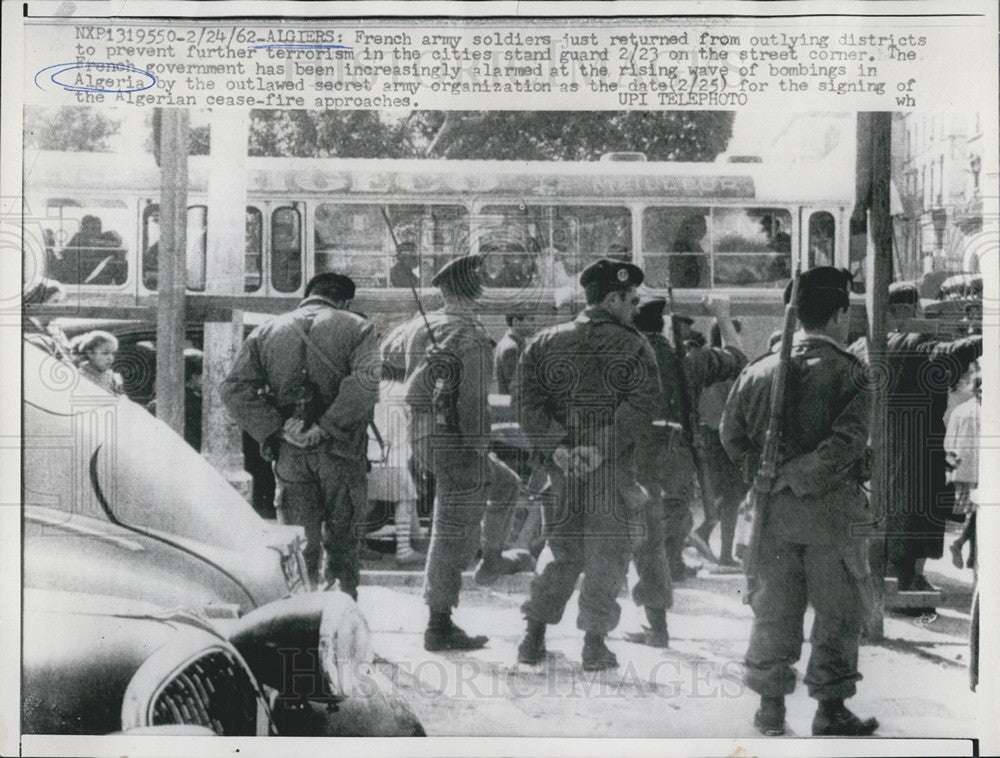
532, 648
654, 635
442, 634
833, 719
596, 656
770, 717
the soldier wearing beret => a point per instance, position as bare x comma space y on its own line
809, 551
585, 392
447, 388
666, 468
304, 385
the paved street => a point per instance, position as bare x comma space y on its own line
915, 682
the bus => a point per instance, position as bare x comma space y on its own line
92, 223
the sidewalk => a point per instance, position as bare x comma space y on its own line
915, 682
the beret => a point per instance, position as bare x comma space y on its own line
821, 278
903, 293
612, 273
460, 275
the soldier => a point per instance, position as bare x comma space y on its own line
585, 393
304, 385
808, 550
666, 468
447, 389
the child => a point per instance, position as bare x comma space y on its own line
961, 445
94, 353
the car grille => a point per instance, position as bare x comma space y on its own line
214, 691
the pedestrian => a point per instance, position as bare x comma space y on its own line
961, 447
922, 370
94, 354
508, 349
725, 485
586, 394
666, 467
448, 380
809, 554
304, 385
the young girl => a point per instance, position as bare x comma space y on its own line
94, 353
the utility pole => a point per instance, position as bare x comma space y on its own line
225, 271
173, 152
874, 162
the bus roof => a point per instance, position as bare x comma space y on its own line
544, 180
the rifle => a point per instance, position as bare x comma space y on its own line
444, 397
688, 410
767, 469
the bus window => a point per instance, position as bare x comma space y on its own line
197, 232
354, 239
821, 237
197, 246
751, 247
720, 247
253, 273
286, 249
549, 245
676, 247
82, 242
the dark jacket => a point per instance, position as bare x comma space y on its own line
341, 358
459, 332
824, 438
592, 381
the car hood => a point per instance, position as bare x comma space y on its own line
144, 474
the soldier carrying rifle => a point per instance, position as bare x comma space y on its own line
805, 546
446, 359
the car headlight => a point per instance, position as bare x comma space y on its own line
313, 646
345, 647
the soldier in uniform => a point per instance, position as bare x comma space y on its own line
666, 468
585, 393
447, 389
304, 385
809, 553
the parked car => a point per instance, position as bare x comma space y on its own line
116, 505
97, 664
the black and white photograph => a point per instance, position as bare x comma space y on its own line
490, 373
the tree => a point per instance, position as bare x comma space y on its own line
69, 128
323, 134
577, 135
497, 135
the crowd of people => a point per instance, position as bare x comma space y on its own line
598, 463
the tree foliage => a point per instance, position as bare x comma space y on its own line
578, 135
497, 135
76, 128
324, 134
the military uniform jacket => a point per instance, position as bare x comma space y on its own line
592, 381
459, 333
703, 366
824, 438
341, 357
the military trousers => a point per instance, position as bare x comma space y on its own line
664, 468
475, 493
833, 580
326, 494
590, 530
